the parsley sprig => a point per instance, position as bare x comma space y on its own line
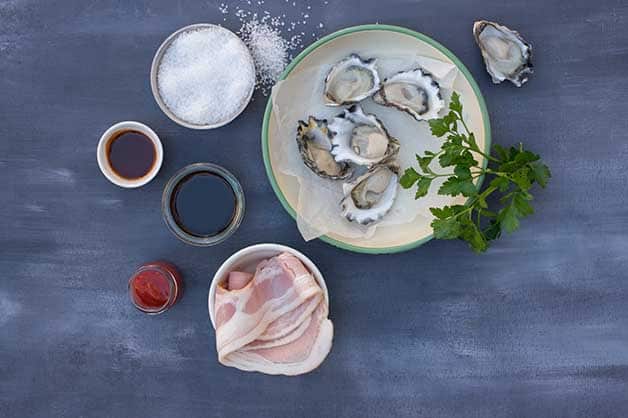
512, 173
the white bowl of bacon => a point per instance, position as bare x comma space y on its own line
269, 305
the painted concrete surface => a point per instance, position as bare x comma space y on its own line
536, 327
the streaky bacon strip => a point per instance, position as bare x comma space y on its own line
285, 339
238, 279
298, 357
291, 320
276, 323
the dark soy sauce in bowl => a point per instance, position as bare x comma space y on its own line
203, 204
131, 154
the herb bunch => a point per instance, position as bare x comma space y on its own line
512, 174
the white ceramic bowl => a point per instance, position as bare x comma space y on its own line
247, 260
154, 70
103, 161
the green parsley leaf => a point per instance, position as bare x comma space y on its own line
487, 213
481, 202
522, 203
454, 103
521, 178
438, 127
451, 155
451, 119
454, 186
455, 139
447, 211
524, 157
474, 237
501, 183
448, 228
423, 187
424, 162
472, 143
502, 153
409, 177
540, 173
462, 172
508, 219
511, 173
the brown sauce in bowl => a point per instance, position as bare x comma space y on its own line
131, 154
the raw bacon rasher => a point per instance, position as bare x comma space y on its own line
274, 321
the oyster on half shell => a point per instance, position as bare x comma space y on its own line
350, 81
360, 138
314, 143
506, 54
415, 92
371, 196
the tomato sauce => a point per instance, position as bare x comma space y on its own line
155, 287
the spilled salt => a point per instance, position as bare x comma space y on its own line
272, 37
269, 50
206, 76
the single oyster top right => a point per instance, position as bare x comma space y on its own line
507, 55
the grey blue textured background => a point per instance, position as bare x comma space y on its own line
536, 327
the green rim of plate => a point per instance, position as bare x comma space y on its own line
324, 40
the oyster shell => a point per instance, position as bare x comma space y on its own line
315, 149
415, 92
371, 196
360, 138
507, 55
351, 80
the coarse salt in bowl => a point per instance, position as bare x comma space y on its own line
203, 76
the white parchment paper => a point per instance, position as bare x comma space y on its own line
318, 209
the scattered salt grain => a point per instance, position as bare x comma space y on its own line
269, 50
273, 40
206, 76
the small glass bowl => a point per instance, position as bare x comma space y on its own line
172, 276
166, 207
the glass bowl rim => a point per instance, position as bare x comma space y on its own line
166, 209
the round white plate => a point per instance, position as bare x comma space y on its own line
379, 40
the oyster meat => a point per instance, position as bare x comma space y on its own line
314, 144
360, 138
415, 92
507, 55
371, 196
350, 81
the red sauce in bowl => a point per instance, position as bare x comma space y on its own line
155, 287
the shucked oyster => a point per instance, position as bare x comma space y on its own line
360, 138
371, 196
351, 80
414, 92
507, 55
315, 149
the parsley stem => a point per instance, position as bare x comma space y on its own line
435, 175
464, 125
513, 172
471, 206
488, 157
466, 128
